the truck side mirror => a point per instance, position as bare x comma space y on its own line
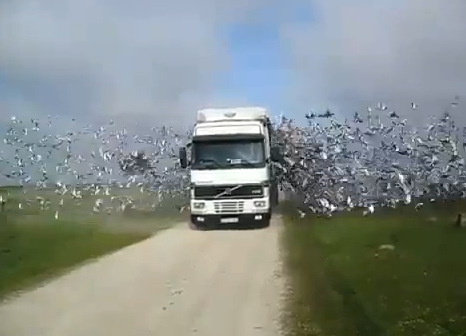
275, 154
183, 157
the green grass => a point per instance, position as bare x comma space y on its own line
28, 199
35, 246
148, 213
342, 283
30, 253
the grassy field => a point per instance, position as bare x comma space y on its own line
35, 245
120, 209
397, 272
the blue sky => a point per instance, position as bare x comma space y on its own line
258, 71
261, 64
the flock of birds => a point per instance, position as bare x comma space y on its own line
97, 163
373, 160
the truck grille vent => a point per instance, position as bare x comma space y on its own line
229, 207
245, 191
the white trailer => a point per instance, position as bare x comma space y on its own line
231, 171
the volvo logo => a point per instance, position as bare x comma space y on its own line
228, 191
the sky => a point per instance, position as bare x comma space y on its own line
156, 62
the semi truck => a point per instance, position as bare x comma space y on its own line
230, 160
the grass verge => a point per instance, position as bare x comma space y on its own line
33, 252
344, 282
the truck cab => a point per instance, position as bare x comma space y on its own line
232, 179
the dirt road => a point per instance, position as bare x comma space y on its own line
180, 282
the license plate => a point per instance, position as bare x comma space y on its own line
229, 220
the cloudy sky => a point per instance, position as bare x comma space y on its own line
159, 61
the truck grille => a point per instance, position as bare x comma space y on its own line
245, 191
229, 207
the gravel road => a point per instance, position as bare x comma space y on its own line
179, 282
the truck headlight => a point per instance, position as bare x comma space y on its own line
198, 205
259, 204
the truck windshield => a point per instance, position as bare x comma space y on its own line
226, 154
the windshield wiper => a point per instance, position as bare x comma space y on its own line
214, 162
245, 163
248, 164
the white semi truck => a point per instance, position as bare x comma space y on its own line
232, 178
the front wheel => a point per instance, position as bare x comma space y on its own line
266, 223
274, 196
196, 227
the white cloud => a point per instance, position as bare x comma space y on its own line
155, 59
158, 59
360, 52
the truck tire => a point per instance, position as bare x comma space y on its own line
266, 223
196, 227
274, 196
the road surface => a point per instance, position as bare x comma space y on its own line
179, 282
